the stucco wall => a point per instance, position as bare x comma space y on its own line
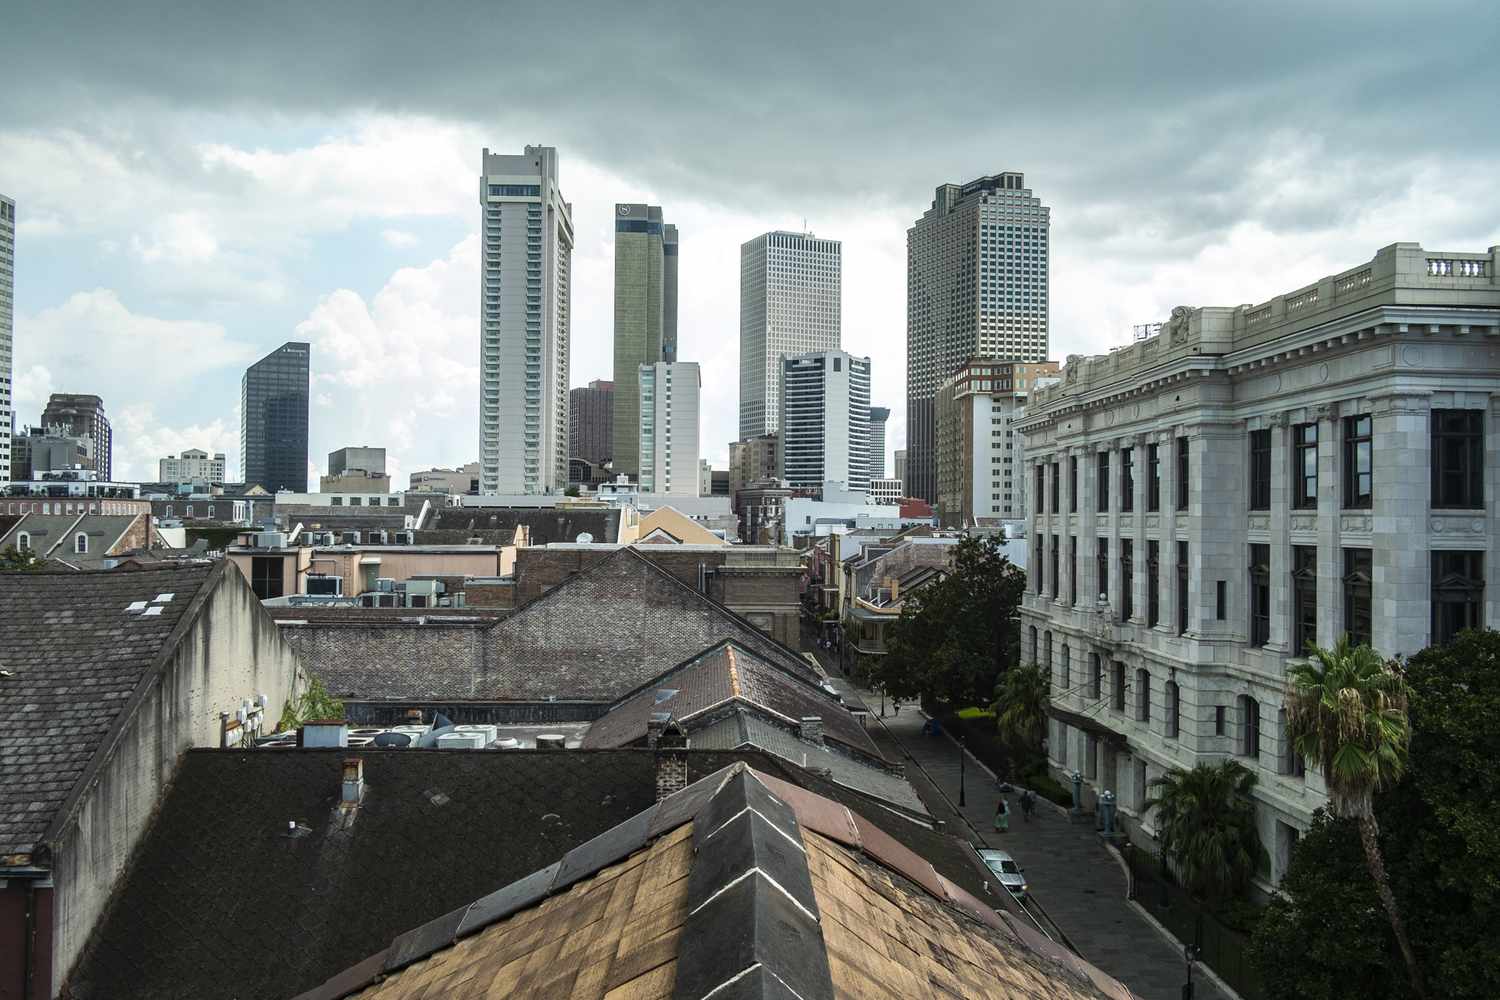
231, 651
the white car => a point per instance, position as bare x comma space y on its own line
1006, 870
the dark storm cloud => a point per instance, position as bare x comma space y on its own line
1160, 111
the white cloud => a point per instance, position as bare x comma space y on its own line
141, 438
398, 238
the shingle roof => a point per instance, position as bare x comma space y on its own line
745, 729
728, 673
545, 525
595, 637
75, 657
728, 888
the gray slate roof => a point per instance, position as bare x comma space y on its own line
546, 525
75, 658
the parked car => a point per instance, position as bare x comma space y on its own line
1006, 870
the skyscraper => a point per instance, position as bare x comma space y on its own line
7, 313
668, 427
273, 419
645, 296
825, 421
524, 281
878, 416
976, 287
591, 421
789, 304
82, 415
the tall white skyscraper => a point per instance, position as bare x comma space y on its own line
825, 420
525, 272
7, 314
976, 286
789, 304
669, 398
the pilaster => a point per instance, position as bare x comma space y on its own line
1402, 495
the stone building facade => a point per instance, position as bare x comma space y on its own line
1208, 501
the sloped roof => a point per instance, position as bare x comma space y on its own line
677, 524
75, 657
745, 729
545, 525
727, 888
713, 679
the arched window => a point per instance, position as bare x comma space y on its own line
23, 541
1172, 707
1036, 650
81, 543
1067, 669
1096, 686
1142, 696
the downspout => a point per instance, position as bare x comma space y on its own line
29, 988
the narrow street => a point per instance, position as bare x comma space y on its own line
1078, 887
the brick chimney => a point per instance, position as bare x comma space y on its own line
811, 729
671, 746
655, 724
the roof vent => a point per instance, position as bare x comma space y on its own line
551, 741
164, 598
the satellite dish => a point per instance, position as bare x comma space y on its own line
584, 537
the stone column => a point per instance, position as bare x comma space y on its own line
1330, 544
1088, 528
1281, 552
1402, 501
1116, 489
1138, 536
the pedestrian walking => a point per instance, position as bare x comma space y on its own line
1028, 803
1002, 816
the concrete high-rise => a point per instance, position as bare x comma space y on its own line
645, 298
525, 295
591, 421
900, 459
7, 314
273, 419
976, 287
668, 427
878, 416
82, 415
790, 286
825, 421
194, 465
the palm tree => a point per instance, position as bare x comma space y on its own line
1207, 824
1021, 706
1346, 710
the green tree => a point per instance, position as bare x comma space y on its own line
1021, 709
1207, 822
956, 636
572, 490
13, 561
314, 703
1347, 710
1324, 935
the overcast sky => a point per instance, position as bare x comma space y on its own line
196, 187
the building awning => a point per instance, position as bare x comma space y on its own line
1088, 724
369, 560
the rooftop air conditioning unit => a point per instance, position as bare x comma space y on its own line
406, 538
349, 538
461, 741
489, 732
329, 538
324, 585
376, 538
386, 585
269, 539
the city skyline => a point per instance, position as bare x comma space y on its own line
347, 219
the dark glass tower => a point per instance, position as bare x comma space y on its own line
273, 419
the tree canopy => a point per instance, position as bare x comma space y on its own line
1207, 823
13, 561
957, 635
1021, 708
1324, 936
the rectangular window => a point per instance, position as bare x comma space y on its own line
1153, 480
1458, 459
1304, 598
1219, 720
1182, 473
1056, 545
1127, 479
1102, 568
1182, 588
1358, 573
1171, 708
1127, 578
1119, 686
1260, 470
1073, 485
1056, 504
1153, 583
1101, 483
265, 576
1260, 595
1457, 594
1038, 553
1221, 598
1305, 466
1072, 570
1036, 492
1359, 477
1142, 696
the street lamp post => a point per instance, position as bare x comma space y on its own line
1166, 899
1189, 954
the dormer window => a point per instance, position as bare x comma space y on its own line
81, 543
23, 542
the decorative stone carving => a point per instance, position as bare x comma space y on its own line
1127, 523
1354, 522
1260, 522
1304, 522
1457, 524
1327, 411
1277, 419
1153, 521
1177, 326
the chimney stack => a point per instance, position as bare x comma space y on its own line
655, 724
811, 729
354, 782
671, 746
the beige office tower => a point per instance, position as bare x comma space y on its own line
976, 286
789, 305
645, 317
7, 312
524, 284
